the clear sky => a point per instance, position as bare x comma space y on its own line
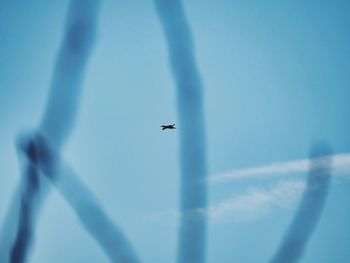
276, 78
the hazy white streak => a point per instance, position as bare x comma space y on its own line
250, 204
257, 200
341, 166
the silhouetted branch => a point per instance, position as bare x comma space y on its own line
310, 209
192, 238
81, 199
57, 123
63, 102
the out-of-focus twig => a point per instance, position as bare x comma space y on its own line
304, 223
57, 123
192, 236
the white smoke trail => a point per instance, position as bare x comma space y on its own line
340, 166
257, 200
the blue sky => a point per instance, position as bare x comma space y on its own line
276, 78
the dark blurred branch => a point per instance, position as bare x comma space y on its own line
192, 238
60, 112
304, 223
80, 198
64, 97
56, 125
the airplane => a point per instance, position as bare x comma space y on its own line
171, 126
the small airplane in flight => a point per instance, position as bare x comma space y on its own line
171, 126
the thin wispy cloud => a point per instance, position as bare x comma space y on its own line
250, 204
256, 201
341, 166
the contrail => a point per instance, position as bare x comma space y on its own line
255, 200
57, 123
244, 206
304, 223
340, 166
192, 236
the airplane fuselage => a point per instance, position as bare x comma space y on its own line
168, 127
